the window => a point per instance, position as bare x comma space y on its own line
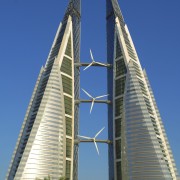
68, 147
68, 126
68, 48
118, 49
119, 171
68, 170
118, 127
67, 85
68, 105
120, 67
118, 106
120, 86
66, 66
118, 149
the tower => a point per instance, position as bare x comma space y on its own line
140, 147
46, 141
47, 144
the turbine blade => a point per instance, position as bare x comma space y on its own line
99, 132
88, 66
92, 58
85, 137
87, 93
98, 97
96, 147
101, 64
92, 106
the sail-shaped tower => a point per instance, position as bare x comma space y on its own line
45, 146
48, 143
140, 147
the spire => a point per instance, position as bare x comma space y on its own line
73, 9
113, 9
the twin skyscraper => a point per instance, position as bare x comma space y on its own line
137, 142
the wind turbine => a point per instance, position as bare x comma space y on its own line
93, 139
93, 98
94, 62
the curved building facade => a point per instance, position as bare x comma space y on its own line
45, 146
140, 147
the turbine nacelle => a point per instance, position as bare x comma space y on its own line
93, 98
93, 139
94, 62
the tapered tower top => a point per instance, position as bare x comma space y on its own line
113, 9
74, 8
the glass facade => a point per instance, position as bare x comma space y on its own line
75, 12
140, 147
46, 142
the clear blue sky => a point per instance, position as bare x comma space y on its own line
26, 34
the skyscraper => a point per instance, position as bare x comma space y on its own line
46, 141
139, 148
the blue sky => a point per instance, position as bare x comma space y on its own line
26, 34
